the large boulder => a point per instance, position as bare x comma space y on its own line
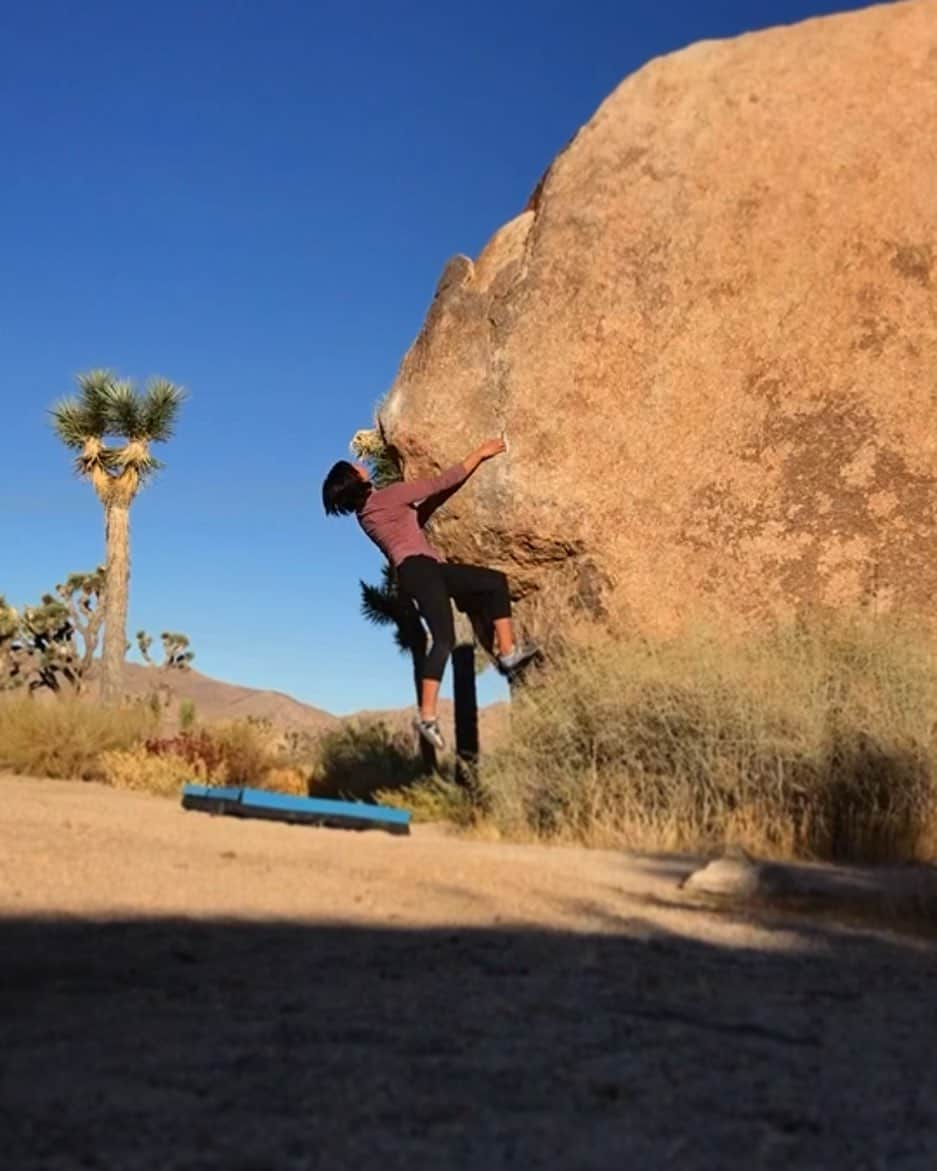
710, 339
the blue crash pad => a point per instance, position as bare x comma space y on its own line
298, 810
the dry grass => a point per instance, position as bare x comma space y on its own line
74, 739
64, 737
814, 741
432, 799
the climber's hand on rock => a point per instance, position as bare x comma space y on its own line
492, 447
487, 450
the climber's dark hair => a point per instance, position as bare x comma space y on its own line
343, 490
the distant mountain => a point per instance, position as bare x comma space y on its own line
216, 701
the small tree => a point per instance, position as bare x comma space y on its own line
11, 665
83, 596
176, 653
46, 646
104, 408
38, 647
383, 606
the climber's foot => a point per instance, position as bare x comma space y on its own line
518, 658
429, 731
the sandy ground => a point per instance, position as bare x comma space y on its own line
183, 992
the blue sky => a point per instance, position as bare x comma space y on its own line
255, 200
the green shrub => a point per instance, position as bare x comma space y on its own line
362, 758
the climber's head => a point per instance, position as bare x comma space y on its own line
346, 488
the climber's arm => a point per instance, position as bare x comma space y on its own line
427, 507
413, 491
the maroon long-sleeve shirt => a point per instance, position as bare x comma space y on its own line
394, 517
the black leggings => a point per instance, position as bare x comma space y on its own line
432, 584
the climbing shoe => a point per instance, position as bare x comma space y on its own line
511, 663
429, 730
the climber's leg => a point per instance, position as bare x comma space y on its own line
476, 590
421, 579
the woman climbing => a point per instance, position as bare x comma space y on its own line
394, 518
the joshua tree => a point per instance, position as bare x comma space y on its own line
106, 408
382, 460
48, 641
38, 648
83, 594
176, 653
384, 606
11, 671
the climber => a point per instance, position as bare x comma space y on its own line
394, 519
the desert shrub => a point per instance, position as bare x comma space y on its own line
236, 754
288, 778
72, 738
247, 752
361, 758
142, 771
815, 740
222, 757
200, 752
64, 736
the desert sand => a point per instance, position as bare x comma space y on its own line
183, 992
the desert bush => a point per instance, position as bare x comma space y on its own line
69, 737
142, 771
231, 755
237, 753
288, 778
248, 752
815, 740
64, 736
361, 758
200, 752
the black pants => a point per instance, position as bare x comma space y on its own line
432, 584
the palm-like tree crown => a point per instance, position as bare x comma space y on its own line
107, 408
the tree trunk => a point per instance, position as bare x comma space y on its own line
117, 574
466, 702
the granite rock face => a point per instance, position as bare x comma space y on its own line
711, 339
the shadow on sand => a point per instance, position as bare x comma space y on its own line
184, 1044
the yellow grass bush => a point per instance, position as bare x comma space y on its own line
141, 771
288, 779
814, 740
232, 758
66, 737
247, 751
52, 736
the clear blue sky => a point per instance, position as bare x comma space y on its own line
255, 200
